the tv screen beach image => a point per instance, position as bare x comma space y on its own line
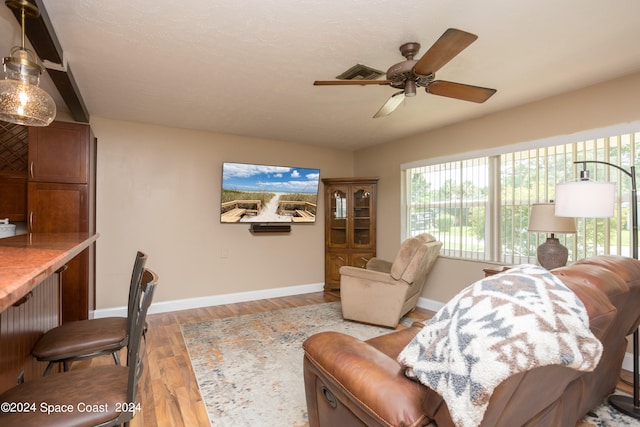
268, 194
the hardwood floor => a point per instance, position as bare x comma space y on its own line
168, 391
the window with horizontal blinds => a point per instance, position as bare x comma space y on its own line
449, 200
528, 177
479, 207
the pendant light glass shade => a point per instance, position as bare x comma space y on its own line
25, 105
21, 100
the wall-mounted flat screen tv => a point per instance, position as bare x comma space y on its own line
268, 194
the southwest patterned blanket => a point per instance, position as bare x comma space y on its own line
497, 327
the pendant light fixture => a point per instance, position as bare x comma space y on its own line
21, 100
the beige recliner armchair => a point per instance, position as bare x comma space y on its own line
383, 292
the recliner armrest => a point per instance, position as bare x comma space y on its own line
374, 381
369, 275
381, 265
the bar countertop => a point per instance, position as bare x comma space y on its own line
28, 259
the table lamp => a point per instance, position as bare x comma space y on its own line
551, 254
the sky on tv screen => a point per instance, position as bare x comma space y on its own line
264, 178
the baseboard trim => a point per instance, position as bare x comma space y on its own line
213, 300
429, 304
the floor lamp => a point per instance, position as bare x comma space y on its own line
591, 199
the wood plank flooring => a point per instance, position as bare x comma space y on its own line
169, 392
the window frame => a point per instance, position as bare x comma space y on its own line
493, 233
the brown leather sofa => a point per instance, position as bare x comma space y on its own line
349, 382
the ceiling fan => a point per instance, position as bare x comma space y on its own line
411, 73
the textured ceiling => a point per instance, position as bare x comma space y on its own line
247, 67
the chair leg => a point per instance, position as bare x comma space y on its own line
116, 358
65, 366
48, 369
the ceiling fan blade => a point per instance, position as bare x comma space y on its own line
460, 91
350, 82
451, 43
391, 104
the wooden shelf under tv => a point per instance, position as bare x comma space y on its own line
269, 228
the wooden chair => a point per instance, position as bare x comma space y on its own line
95, 396
85, 339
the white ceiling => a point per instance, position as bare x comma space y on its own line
247, 67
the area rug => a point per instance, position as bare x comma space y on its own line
606, 416
249, 368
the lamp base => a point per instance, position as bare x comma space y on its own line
625, 405
551, 254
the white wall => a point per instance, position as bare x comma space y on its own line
158, 190
606, 104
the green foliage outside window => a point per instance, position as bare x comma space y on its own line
451, 201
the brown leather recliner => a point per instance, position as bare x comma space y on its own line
349, 382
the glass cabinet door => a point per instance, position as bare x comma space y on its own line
362, 216
338, 223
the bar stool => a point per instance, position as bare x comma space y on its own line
85, 339
102, 395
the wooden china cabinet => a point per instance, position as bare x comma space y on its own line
350, 225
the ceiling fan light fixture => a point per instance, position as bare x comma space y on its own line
410, 73
22, 101
410, 88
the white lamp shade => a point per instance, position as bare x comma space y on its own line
542, 218
585, 199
